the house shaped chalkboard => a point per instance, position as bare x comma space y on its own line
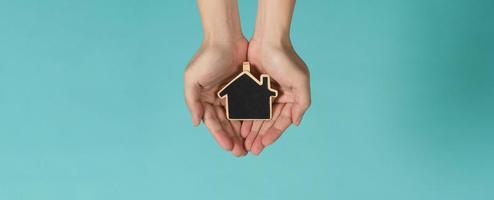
248, 98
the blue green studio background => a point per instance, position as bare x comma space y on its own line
91, 104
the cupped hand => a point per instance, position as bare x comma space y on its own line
214, 63
291, 78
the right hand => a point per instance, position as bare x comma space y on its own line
214, 63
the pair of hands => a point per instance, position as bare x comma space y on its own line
217, 62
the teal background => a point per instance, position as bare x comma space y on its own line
91, 104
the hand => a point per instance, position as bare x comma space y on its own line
214, 63
289, 71
224, 47
271, 52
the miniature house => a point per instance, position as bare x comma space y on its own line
248, 98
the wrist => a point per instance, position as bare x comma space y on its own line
273, 22
216, 40
222, 37
234, 50
281, 41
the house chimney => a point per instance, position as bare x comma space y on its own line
246, 66
265, 81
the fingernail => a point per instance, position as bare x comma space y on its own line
195, 121
297, 123
259, 152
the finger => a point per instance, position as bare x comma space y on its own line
268, 123
302, 101
233, 130
238, 149
256, 126
224, 122
214, 126
246, 127
236, 125
257, 146
280, 125
192, 99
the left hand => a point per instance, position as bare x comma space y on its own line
290, 73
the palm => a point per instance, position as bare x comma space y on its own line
205, 74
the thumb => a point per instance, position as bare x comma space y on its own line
302, 102
192, 93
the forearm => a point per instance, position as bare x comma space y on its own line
273, 21
220, 20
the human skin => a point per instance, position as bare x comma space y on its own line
223, 50
271, 52
223, 47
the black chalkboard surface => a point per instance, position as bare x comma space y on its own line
248, 98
